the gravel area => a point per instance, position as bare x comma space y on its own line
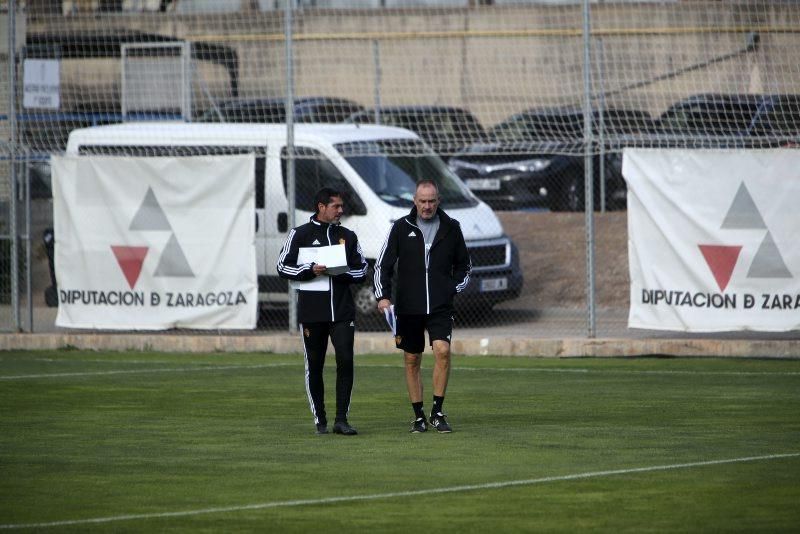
553, 257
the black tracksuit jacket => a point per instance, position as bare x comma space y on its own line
425, 285
335, 304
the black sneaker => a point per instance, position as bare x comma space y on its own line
419, 425
439, 422
343, 428
322, 428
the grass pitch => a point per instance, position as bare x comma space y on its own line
168, 442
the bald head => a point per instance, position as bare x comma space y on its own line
426, 199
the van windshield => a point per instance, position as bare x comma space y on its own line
392, 168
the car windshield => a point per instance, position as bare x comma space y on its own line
568, 126
258, 112
274, 111
392, 168
711, 118
430, 125
532, 127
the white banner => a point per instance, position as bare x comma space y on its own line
713, 239
155, 243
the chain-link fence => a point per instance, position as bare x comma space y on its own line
519, 101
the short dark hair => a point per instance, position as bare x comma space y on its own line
324, 196
427, 181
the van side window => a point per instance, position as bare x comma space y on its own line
314, 171
261, 166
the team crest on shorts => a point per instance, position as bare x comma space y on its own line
398, 340
306, 332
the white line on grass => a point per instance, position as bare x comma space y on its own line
630, 372
154, 362
213, 367
135, 371
395, 494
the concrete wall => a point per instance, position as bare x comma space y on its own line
494, 61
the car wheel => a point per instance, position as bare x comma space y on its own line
367, 316
574, 195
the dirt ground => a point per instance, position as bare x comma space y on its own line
552, 250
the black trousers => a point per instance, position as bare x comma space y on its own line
315, 344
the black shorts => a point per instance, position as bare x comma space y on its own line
410, 332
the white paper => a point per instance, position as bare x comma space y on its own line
318, 283
388, 313
332, 257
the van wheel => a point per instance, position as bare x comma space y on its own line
365, 300
367, 316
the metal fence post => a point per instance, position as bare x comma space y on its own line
601, 126
28, 240
290, 168
588, 182
376, 58
12, 124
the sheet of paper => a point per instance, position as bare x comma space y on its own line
333, 257
307, 255
390, 319
318, 283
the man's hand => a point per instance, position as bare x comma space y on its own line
383, 304
319, 269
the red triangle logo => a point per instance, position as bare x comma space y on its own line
721, 259
130, 260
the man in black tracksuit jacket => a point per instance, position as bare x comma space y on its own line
433, 265
326, 313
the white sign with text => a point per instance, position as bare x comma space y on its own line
155, 243
41, 84
712, 239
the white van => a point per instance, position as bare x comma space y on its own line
375, 167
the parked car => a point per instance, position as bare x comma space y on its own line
534, 159
273, 110
757, 120
446, 129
